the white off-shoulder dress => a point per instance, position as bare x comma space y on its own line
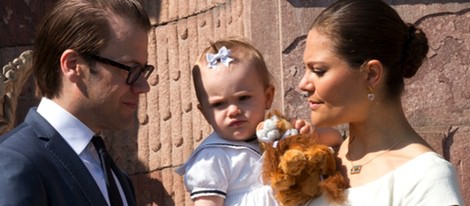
229, 169
425, 180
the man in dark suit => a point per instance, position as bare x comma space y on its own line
90, 64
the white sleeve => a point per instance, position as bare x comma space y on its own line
208, 173
437, 185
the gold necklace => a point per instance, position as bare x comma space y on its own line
356, 168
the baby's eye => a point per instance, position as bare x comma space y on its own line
245, 97
217, 104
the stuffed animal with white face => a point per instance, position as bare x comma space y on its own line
273, 129
296, 166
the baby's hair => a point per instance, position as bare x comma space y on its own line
241, 51
213, 46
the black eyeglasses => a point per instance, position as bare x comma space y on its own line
134, 72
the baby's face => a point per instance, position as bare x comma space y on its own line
234, 100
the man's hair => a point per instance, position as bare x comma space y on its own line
80, 25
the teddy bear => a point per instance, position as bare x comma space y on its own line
297, 167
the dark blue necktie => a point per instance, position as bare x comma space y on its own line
106, 164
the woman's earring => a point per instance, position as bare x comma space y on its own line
371, 95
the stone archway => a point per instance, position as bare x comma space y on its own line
13, 77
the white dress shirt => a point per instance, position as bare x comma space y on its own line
78, 136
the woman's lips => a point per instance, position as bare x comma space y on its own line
314, 105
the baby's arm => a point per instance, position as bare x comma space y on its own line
209, 201
325, 135
205, 176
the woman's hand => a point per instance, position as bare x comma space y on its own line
303, 126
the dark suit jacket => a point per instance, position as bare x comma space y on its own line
37, 167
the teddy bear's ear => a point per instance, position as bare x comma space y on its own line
283, 124
260, 126
269, 114
277, 113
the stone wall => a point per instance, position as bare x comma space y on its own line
437, 99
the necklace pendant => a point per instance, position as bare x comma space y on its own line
356, 169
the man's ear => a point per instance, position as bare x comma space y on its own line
269, 93
374, 70
70, 64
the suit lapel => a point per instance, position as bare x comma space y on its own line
68, 163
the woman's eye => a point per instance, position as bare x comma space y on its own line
318, 71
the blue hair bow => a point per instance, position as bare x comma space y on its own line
223, 56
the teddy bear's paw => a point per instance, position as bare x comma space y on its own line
334, 187
292, 197
317, 154
293, 162
281, 182
310, 185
